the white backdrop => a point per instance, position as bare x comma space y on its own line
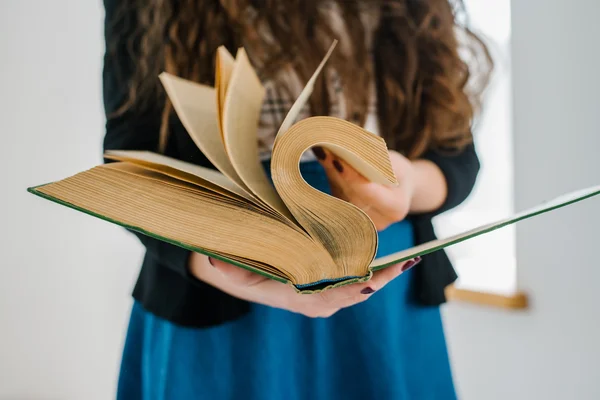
552, 350
65, 278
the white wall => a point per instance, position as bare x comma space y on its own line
63, 297
552, 350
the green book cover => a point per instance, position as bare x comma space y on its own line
383, 262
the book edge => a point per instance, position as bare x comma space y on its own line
344, 281
34, 190
492, 227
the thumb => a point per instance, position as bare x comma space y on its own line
235, 274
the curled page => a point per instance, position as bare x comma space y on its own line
224, 68
304, 95
196, 107
241, 115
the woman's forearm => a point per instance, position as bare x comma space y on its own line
430, 187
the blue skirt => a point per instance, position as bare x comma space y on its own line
388, 347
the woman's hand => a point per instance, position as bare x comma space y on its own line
255, 288
385, 205
421, 188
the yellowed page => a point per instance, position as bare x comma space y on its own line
207, 174
167, 209
347, 233
224, 68
304, 95
241, 115
196, 107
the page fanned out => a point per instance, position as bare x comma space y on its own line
435, 245
241, 116
212, 176
196, 108
304, 95
224, 68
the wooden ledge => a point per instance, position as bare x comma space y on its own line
517, 301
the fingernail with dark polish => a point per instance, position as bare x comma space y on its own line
411, 264
210, 261
319, 153
367, 290
337, 165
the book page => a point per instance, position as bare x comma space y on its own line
345, 230
241, 116
224, 68
439, 244
207, 174
196, 108
304, 95
174, 212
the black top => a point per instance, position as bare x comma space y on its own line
166, 288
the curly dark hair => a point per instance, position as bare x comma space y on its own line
429, 68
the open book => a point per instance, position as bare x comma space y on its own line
285, 230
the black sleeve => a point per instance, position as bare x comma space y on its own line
436, 272
132, 130
460, 170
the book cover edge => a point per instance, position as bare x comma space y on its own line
34, 190
508, 222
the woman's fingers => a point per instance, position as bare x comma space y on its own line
327, 160
337, 169
347, 172
236, 275
361, 291
386, 275
279, 295
276, 294
322, 304
346, 183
